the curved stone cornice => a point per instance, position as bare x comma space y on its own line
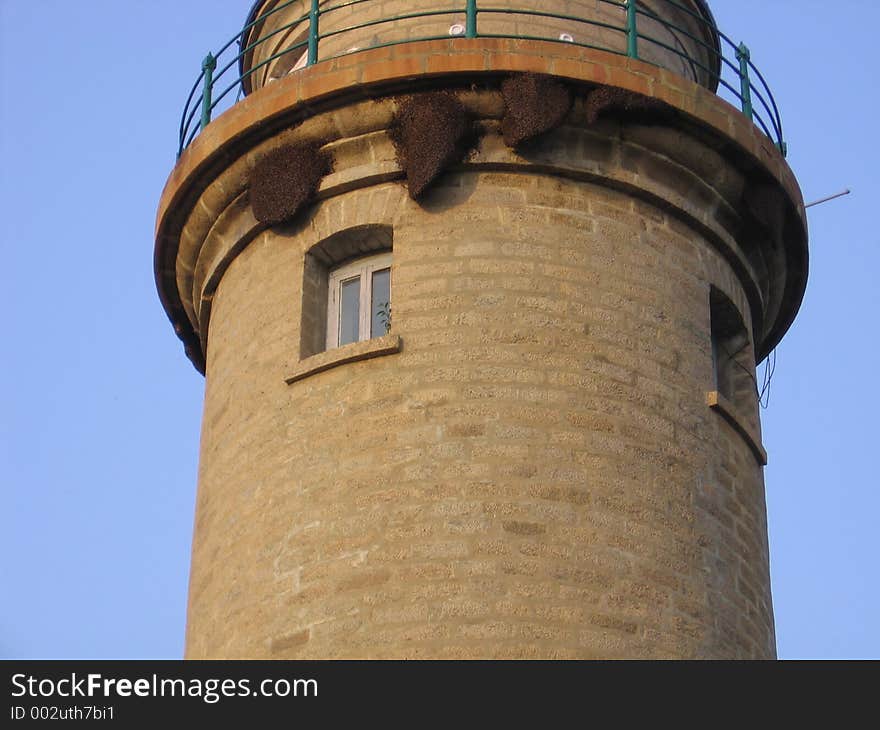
703, 169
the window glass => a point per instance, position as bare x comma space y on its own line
349, 311
359, 300
380, 306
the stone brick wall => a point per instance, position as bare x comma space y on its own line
536, 474
536, 471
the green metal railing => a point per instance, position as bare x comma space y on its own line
228, 74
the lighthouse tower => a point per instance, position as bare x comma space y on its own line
479, 289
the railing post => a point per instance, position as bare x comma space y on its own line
632, 33
208, 66
313, 33
470, 29
743, 56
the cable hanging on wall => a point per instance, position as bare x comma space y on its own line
769, 370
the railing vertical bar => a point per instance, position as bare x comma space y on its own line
208, 66
471, 19
632, 32
743, 55
313, 33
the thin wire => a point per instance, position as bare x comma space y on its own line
732, 358
769, 371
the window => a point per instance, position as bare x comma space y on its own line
359, 300
344, 256
732, 356
735, 397
293, 59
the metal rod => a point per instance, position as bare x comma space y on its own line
743, 56
830, 197
471, 19
313, 33
632, 32
208, 66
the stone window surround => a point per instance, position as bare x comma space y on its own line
746, 424
724, 408
342, 247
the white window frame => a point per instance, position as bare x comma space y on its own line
301, 62
362, 268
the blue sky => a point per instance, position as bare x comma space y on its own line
100, 411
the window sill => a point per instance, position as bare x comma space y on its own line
354, 352
724, 407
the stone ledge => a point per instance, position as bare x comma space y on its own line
354, 352
324, 86
726, 410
